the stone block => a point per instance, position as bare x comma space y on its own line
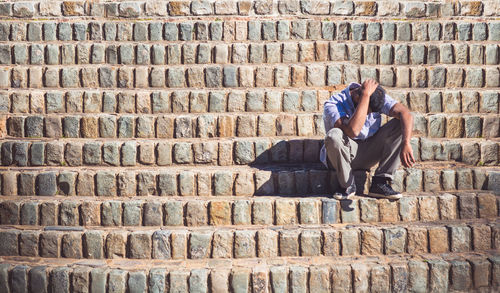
395, 240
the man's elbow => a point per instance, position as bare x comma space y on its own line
352, 133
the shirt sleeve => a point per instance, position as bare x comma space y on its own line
333, 111
388, 104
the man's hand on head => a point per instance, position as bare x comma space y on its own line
367, 88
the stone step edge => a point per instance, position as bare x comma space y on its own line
462, 272
261, 243
243, 180
132, 10
115, 153
228, 211
160, 101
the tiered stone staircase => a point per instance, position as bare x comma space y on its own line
173, 146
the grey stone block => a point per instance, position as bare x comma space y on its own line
38, 279
92, 153
46, 184
156, 282
106, 184
389, 31
464, 31
59, 279
403, 31
64, 31
186, 31
19, 279
126, 127
137, 281
171, 32
111, 153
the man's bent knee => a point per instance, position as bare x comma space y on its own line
334, 138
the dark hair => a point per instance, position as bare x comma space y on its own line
377, 99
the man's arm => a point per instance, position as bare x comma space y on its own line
399, 111
355, 124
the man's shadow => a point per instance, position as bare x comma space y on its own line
293, 168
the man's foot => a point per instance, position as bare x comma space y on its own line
380, 188
345, 193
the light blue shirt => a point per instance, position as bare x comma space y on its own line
341, 105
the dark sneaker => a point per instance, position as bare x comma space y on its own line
345, 193
380, 188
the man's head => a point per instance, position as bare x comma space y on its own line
377, 99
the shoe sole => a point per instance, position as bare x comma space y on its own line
376, 195
341, 197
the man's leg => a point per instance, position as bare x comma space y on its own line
383, 148
341, 150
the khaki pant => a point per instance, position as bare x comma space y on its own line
345, 154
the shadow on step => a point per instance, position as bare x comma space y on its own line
290, 169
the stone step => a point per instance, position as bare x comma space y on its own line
469, 10
221, 242
224, 125
460, 272
35, 152
278, 179
197, 211
315, 75
283, 52
126, 101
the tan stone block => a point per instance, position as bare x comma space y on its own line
240, 30
481, 236
225, 126
286, 212
125, 77
371, 241
306, 52
115, 245
90, 77
264, 77
322, 50
178, 8
471, 8
141, 77
246, 76
438, 239
244, 7
244, 184
285, 125
37, 102
331, 242
417, 240
454, 127
229, 31
73, 8
448, 206
90, 127
220, 213
165, 127
3, 125
225, 153
487, 205
428, 208
196, 77
267, 243
90, 213
143, 103
366, 8
298, 76
389, 212
36, 77
246, 126
454, 77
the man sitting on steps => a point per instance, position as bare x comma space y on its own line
355, 139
